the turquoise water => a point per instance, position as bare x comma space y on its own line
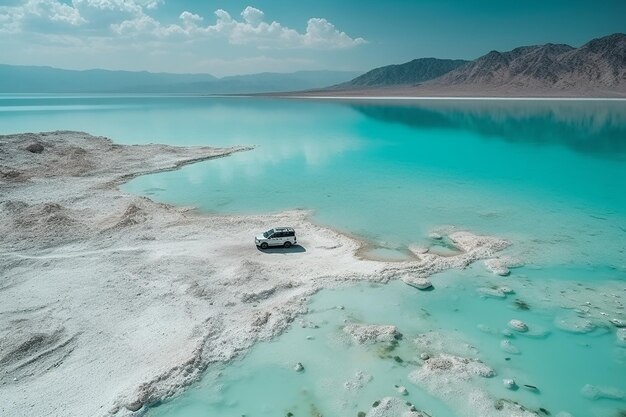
264, 383
548, 175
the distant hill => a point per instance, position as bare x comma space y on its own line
26, 79
409, 73
265, 82
596, 69
29, 79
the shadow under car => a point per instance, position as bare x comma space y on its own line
282, 249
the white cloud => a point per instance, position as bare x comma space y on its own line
320, 32
12, 18
190, 18
145, 25
51, 16
108, 19
252, 15
38, 15
252, 30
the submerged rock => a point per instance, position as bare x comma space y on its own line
595, 393
507, 407
456, 378
486, 246
402, 390
435, 236
491, 292
507, 333
435, 342
518, 325
371, 333
418, 282
509, 383
618, 323
521, 304
506, 290
418, 250
497, 266
486, 329
298, 367
358, 381
509, 347
459, 367
574, 324
394, 407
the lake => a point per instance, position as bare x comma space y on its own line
549, 175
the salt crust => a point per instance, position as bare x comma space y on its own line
112, 301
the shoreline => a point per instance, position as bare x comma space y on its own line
469, 98
307, 96
142, 296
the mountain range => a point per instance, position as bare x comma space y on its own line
598, 68
30, 79
600, 63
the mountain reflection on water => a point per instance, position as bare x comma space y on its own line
593, 127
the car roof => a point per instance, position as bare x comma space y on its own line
284, 229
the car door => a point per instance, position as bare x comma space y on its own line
275, 239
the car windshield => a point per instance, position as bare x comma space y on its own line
268, 233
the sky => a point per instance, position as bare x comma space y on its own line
240, 37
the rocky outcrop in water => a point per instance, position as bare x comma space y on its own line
372, 333
394, 407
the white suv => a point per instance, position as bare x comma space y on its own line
279, 236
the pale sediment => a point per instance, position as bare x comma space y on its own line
458, 379
372, 333
111, 301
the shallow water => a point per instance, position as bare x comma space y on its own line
548, 175
264, 383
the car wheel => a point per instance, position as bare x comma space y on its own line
264, 245
287, 244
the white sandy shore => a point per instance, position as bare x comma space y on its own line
486, 98
110, 301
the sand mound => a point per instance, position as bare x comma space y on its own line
45, 223
132, 216
35, 147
